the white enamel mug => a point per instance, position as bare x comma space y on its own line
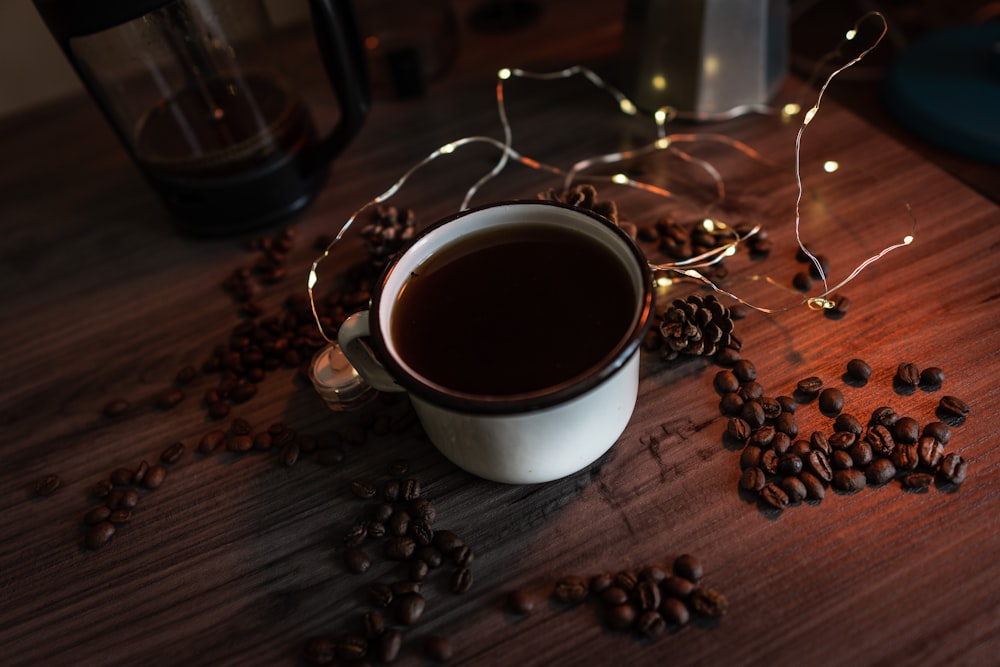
525, 438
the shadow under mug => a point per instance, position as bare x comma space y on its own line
540, 433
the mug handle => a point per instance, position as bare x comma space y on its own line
351, 337
339, 40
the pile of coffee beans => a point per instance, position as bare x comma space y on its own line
647, 602
782, 467
119, 495
400, 525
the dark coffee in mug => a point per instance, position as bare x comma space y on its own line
514, 310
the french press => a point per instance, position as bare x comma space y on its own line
193, 91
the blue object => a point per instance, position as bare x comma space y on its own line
946, 89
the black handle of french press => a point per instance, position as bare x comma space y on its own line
340, 46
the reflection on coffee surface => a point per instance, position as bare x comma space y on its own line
514, 310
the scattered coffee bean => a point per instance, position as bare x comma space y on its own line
880, 471
438, 649
709, 602
121, 477
689, 567
620, 616
155, 477
319, 651
399, 548
880, 439
815, 489
953, 410
211, 441
352, 647
674, 611
570, 589
849, 480
372, 624
831, 401
794, 489
931, 377
917, 481
97, 514
906, 430
120, 516
357, 561
774, 496
462, 579
930, 452
908, 375
240, 443
521, 602
677, 586
939, 431
847, 423
861, 454
446, 541
47, 485
738, 429
173, 453
99, 534
725, 382
841, 460
858, 371
169, 399
409, 608
115, 408
744, 370
884, 416
819, 465
789, 464
731, 404
809, 387
753, 480
390, 643
290, 454
906, 457
650, 624
953, 469
601, 582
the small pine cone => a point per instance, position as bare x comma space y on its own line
583, 196
388, 232
698, 326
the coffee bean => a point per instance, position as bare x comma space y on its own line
822, 270
819, 465
809, 387
423, 535
847, 423
762, 437
169, 399
953, 469
802, 281
239, 443
771, 407
47, 485
790, 464
627, 580
570, 589
953, 410
409, 608
405, 587
399, 548
423, 510
841, 460
650, 624
801, 448
389, 645
319, 651
120, 516
750, 457
931, 377
820, 443
99, 534
240, 426
751, 391
917, 481
429, 555
815, 490
906, 457
731, 404
114, 499
115, 408
753, 480
880, 439
601, 582
211, 441
738, 429
939, 431
121, 477
884, 416
907, 375
521, 602
906, 430
794, 488
647, 595
674, 611
753, 414
97, 514
173, 453
787, 403
462, 556
410, 489
769, 461
289, 454
129, 500
744, 370
781, 443
689, 567
102, 489
831, 401
620, 616
352, 647
861, 453
390, 490
446, 541
154, 478
677, 586
461, 581
774, 496
785, 423
842, 440
380, 594
709, 602
438, 648
372, 624
849, 480
725, 382
858, 371
880, 471
357, 561
399, 523
930, 452
614, 596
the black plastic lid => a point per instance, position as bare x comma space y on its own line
75, 18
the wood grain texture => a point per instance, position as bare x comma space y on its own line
236, 559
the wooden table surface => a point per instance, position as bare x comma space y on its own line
236, 559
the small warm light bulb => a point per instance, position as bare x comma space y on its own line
660, 116
663, 142
730, 251
447, 148
313, 279
831, 166
907, 239
664, 281
505, 73
851, 34
708, 224
627, 107
620, 179
659, 82
809, 115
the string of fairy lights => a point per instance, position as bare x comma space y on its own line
693, 267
